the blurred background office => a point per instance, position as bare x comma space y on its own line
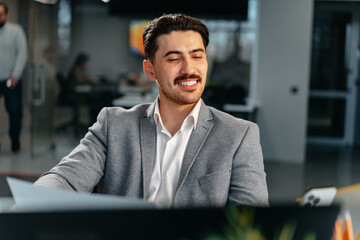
290, 66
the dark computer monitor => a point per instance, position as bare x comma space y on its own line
196, 223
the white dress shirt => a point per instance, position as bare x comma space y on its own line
169, 157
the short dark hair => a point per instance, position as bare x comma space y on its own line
81, 58
165, 25
5, 7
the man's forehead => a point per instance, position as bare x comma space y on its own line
180, 40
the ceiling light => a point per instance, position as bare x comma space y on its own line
47, 1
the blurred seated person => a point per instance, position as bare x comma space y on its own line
77, 74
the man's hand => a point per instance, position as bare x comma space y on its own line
12, 82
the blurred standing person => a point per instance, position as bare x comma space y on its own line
13, 58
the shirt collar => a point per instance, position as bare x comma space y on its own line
157, 116
193, 115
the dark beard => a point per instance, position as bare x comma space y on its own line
178, 99
2, 24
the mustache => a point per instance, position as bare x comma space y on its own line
186, 76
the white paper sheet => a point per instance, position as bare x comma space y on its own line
33, 198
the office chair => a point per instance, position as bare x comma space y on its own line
67, 98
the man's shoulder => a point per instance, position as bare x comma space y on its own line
14, 30
138, 110
13, 26
232, 128
226, 119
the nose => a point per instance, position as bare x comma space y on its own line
187, 66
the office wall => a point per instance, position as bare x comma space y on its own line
285, 28
105, 39
13, 10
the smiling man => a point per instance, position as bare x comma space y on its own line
176, 152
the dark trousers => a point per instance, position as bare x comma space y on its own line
13, 106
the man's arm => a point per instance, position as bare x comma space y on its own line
248, 178
83, 168
21, 54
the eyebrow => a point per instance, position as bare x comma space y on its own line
179, 52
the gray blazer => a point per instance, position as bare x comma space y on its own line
222, 164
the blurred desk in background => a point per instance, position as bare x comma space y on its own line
83, 89
94, 97
129, 101
97, 88
238, 110
246, 111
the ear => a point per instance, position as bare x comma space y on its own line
149, 70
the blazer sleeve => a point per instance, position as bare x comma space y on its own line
248, 179
83, 168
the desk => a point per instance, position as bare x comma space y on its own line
6, 203
94, 97
83, 89
100, 88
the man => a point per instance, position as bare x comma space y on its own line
176, 152
13, 57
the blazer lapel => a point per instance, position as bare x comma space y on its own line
196, 141
148, 147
